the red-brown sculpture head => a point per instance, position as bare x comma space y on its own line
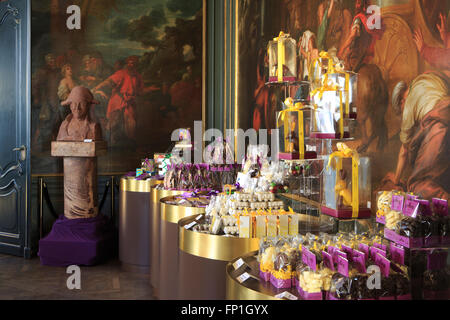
80, 99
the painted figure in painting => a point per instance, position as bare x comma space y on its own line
127, 84
324, 15
437, 57
67, 83
308, 52
425, 108
372, 96
45, 97
358, 49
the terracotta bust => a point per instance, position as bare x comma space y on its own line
80, 173
78, 125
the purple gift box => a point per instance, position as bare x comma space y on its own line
403, 241
309, 296
264, 275
280, 283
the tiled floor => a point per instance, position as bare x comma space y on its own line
28, 279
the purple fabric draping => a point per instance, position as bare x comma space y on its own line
78, 242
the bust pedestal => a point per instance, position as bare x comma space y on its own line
80, 176
83, 236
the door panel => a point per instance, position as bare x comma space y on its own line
14, 127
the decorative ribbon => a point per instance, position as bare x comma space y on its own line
325, 84
282, 118
281, 54
344, 152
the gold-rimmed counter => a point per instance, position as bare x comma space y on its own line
251, 289
203, 259
134, 223
155, 226
168, 244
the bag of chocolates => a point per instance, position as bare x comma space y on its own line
440, 209
436, 280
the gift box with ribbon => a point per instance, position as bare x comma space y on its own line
329, 123
282, 53
295, 143
346, 191
333, 88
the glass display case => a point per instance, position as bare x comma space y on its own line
346, 188
282, 53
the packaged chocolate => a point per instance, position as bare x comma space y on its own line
436, 279
266, 258
282, 59
440, 209
346, 191
384, 199
341, 283
310, 281
292, 123
430, 224
281, 275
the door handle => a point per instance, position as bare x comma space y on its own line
23, 152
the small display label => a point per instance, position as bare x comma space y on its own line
190, 225
342, 266
397, 254
383, 263
411, 208
238, 264
245, 276
328, 260
364, 248
286, 295
397, 203
309, 259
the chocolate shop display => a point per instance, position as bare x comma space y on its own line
328, 267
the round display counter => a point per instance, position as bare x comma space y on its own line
134, 223
168, 244
251, 289
203, 259
155, 222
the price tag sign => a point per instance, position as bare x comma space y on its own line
364, 248
383, 263
309, 259
199, 217
342, 265
411, 208
397, 203
286, 295
328, 260
238, 264
398, 254
190, 225
87, 140
244, 277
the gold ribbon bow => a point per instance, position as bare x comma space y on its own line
331, 70
281, 54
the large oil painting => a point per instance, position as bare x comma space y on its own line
142, 59
403, 86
